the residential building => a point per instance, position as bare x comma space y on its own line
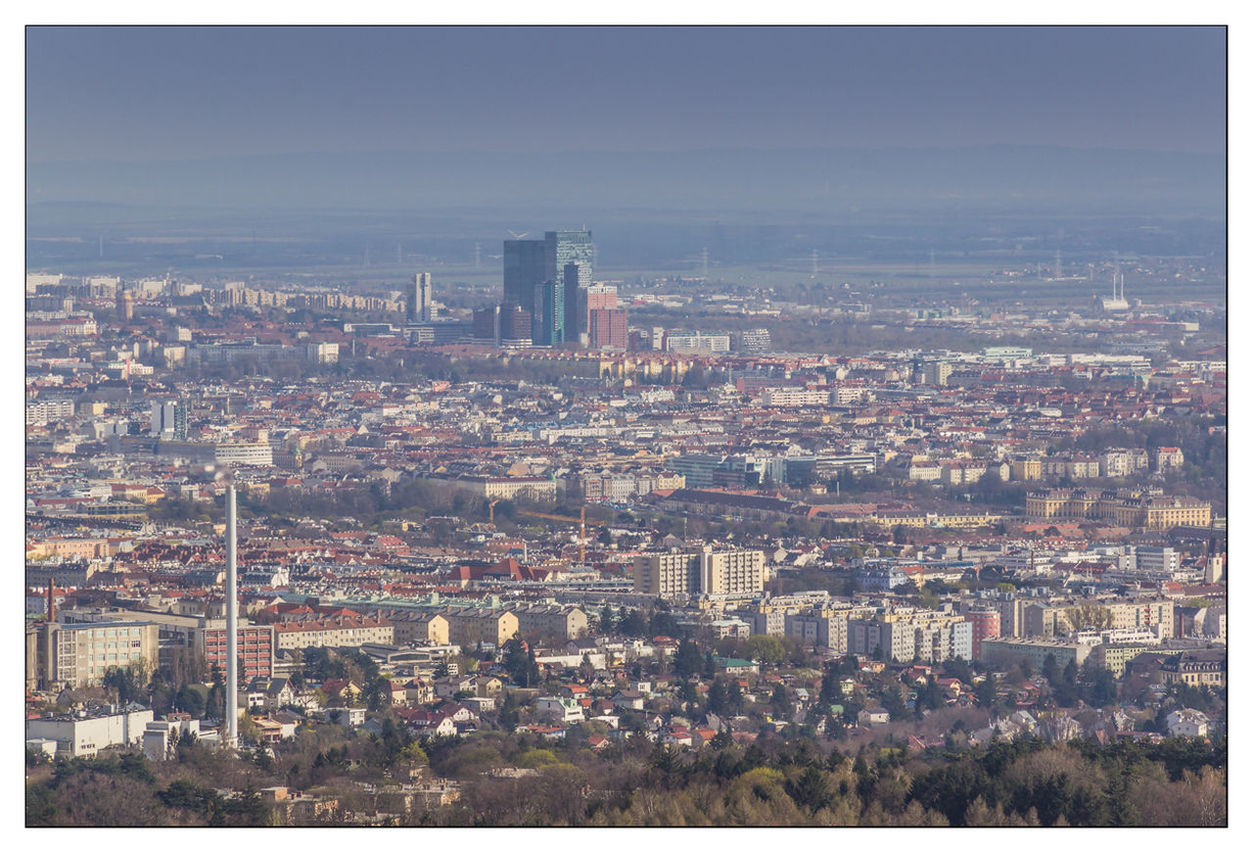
416, 626
418, 299
169, 419
683, 573
1201, 667
1007, 651
936, 372
549, 620
469, 626
985, 624
336, 632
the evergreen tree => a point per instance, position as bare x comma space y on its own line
687, 659
781, 703
717, 697
831, 692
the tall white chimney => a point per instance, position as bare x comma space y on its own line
232, 630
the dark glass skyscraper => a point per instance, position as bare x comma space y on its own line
577, 278
569, 247
548, 323
529, 263
526, 267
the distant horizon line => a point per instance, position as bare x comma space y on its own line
791, 149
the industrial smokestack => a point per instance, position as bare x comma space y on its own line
52, 605
232, 631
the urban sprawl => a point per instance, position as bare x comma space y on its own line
481, 548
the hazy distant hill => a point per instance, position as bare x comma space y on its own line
829, 181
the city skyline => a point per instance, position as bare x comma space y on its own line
869, 468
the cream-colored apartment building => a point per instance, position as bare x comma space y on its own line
676, 574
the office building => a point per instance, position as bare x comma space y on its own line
548, 320
697, 342
569, 247
530, 263
486, 325
515, 326
525, 269
607, 328
418, 299
440, 333
1161, 561
578, 280
755, 341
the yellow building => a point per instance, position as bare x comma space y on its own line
415, 626
1115, 656
1061, 504
469, 626
1197, 668
79, 654
1026, 469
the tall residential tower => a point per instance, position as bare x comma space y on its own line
418, 299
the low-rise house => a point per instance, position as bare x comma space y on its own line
270, 730
559, 708
270, 693
339, 690
1187, 722
873, 717
629, 700
447, 688
350, 717
419, 691
432, 724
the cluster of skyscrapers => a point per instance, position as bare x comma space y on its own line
548, 287
549, 299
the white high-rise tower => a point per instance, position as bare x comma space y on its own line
232, 628
418, 299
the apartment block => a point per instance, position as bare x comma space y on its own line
683, 573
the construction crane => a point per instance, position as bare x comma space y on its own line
582, 522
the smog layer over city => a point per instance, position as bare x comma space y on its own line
626, 426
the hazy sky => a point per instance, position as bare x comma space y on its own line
174, 93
